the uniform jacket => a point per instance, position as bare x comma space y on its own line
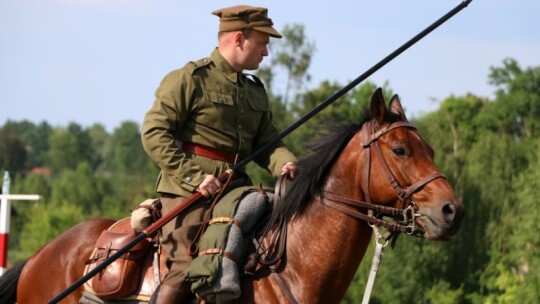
208, 103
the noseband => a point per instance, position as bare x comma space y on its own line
403, 218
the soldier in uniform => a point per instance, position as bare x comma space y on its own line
207, 116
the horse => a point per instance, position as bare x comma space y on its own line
378, 172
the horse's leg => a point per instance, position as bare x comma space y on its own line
60, 263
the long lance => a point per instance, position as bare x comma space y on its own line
223, 177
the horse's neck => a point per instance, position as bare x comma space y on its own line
325, 245
324, 250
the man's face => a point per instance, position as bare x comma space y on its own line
254, 49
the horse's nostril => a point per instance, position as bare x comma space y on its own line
449, 211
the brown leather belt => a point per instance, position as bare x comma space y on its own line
212, 153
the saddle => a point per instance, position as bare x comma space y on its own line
135, 275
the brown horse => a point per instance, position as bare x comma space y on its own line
367, 172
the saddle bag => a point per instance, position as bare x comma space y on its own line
120, 278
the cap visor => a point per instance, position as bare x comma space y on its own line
269, 30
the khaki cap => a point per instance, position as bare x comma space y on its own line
243, 17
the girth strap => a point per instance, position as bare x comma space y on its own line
283, 286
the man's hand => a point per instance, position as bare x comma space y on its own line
209, 186
291, 168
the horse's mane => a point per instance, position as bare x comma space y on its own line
313, 168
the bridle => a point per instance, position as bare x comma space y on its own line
403, 219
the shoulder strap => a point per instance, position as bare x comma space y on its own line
192, 66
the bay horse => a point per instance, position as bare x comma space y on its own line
356, 177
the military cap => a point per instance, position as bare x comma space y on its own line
243, 17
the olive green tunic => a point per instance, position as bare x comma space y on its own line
208, 103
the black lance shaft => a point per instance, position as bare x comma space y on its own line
223, 177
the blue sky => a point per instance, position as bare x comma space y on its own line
100, 61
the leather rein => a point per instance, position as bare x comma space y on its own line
403, 219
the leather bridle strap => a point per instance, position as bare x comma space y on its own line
421, 183
368, 132
400, 215
371, 137
390, 211
330, 201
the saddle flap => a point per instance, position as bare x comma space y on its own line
117, 240
122, 277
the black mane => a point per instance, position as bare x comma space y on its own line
313, 168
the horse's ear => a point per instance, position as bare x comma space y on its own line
378, 107
395, 107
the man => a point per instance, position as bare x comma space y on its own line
205, 118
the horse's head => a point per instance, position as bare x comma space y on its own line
403, 174
386, 168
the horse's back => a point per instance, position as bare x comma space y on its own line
59, 263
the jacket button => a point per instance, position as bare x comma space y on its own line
188, 179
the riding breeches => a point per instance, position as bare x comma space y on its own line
177, 236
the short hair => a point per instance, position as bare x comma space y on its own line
245, 32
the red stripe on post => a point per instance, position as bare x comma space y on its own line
4, 237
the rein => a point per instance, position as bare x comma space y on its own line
403, 219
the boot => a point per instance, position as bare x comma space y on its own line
166, 294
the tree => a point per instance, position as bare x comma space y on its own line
13, 153
79, 187
129, 166
46, 224
98, 138
127, 151
33, 137
518, 97
293, 54
68, 147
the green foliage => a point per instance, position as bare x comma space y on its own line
442, 293
293, 53
518, 97
489, 151
45, 223
68, 147
75, 187
128, 155
13, 153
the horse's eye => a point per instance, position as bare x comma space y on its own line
399, 151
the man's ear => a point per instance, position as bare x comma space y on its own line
238, 36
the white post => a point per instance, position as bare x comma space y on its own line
5, 210
5, 216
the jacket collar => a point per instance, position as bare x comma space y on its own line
223, 66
